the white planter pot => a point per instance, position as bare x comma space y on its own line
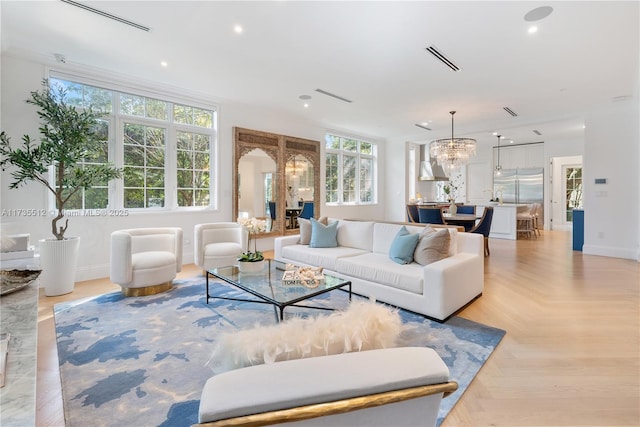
251, 267
58, 260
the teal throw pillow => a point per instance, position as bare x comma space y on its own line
403, 246
323, 236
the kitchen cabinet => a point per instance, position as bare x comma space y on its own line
520, 156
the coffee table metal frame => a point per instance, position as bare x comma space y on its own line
232, 275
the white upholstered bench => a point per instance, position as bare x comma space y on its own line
394, 386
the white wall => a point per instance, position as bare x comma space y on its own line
612, 143
610, 151
21, 76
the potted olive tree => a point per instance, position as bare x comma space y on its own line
69, 136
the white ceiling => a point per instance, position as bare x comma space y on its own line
584, 54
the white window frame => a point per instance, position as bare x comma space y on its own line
116, 126
341, 153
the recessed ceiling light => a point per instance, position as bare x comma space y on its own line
538, 13
164, 63
532, 29
306, 105
237, 28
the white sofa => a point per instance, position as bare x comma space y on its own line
385, 387
436, 290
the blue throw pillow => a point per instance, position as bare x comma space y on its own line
403, 246
323, 236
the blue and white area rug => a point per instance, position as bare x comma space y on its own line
141, 361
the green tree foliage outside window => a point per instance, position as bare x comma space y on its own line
350, 170
146, 125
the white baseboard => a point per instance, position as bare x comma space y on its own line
614, 252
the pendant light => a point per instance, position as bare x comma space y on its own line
498, 166
451, 153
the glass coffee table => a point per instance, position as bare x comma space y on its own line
268, 287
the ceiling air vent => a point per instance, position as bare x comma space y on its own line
537, 132
422, 126
324, 92
442, 58
106, 15
510, 111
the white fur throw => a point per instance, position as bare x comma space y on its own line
363, 326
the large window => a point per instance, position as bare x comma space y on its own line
164, 148
350, 170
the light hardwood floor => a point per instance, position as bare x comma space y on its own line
571, 355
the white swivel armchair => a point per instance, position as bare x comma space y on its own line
218, 244
144, 261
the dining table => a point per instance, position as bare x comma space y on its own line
292, 215
468, 221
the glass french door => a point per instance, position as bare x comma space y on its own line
572, 190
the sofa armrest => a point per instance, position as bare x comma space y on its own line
338, 383
120, 263
471, 243
452, 282
281, 242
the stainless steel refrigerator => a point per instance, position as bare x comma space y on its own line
520, 185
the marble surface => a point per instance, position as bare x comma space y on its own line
19, 317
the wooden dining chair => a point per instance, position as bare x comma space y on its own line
412, 213
484, 227
466, 209
430, 215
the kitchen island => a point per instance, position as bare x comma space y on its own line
504, 224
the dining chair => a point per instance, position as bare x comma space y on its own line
484, 227
412, 213
272, 213
466, 209
535, 214
430, 215
525, 221
307, 210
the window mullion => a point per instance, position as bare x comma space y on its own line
116, 155
170, 164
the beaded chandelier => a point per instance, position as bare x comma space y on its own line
451, 153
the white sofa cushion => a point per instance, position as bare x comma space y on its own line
222, 249
152, 259
356, 234
384, 233
318, 257
378, 268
